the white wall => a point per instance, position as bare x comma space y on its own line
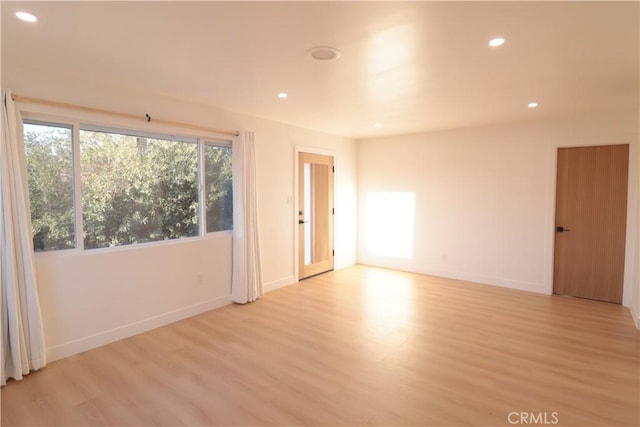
485, 198
95, 297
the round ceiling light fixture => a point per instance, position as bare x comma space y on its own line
532, 104
282, 95
498, 41
324, 53
26, 17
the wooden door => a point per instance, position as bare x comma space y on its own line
591, 217
315, 214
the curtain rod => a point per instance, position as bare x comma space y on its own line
147, 117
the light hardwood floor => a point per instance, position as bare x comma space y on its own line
359, 346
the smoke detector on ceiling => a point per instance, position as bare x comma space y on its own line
324, 53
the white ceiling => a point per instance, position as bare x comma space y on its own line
412, 66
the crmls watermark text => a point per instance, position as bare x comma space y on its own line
532, 418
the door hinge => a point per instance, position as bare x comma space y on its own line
333, 252
333, 211
334, 169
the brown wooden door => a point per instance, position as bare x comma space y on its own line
591, 216
315, 214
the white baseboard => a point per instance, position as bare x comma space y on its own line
491, 281
344, 263
97, 340
449, 274
280, 283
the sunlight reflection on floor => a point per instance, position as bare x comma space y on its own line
389, 305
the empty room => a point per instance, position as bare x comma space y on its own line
320, 213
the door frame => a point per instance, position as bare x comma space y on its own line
296, 237
632, 216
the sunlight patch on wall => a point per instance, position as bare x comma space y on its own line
390, 224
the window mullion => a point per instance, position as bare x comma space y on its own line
202, 205
77, 187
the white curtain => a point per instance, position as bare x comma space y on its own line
246, 280
23, 347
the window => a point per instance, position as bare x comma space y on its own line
137, 189
218, 187
134, 187
49, 153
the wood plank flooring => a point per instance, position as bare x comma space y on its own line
359, 346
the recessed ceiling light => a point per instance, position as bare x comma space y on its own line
498, 41
324, 53
532, 104
282, 95
378, 125
27, 17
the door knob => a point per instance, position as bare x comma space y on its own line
561, 229
302, 222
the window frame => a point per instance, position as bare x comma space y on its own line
129, 128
